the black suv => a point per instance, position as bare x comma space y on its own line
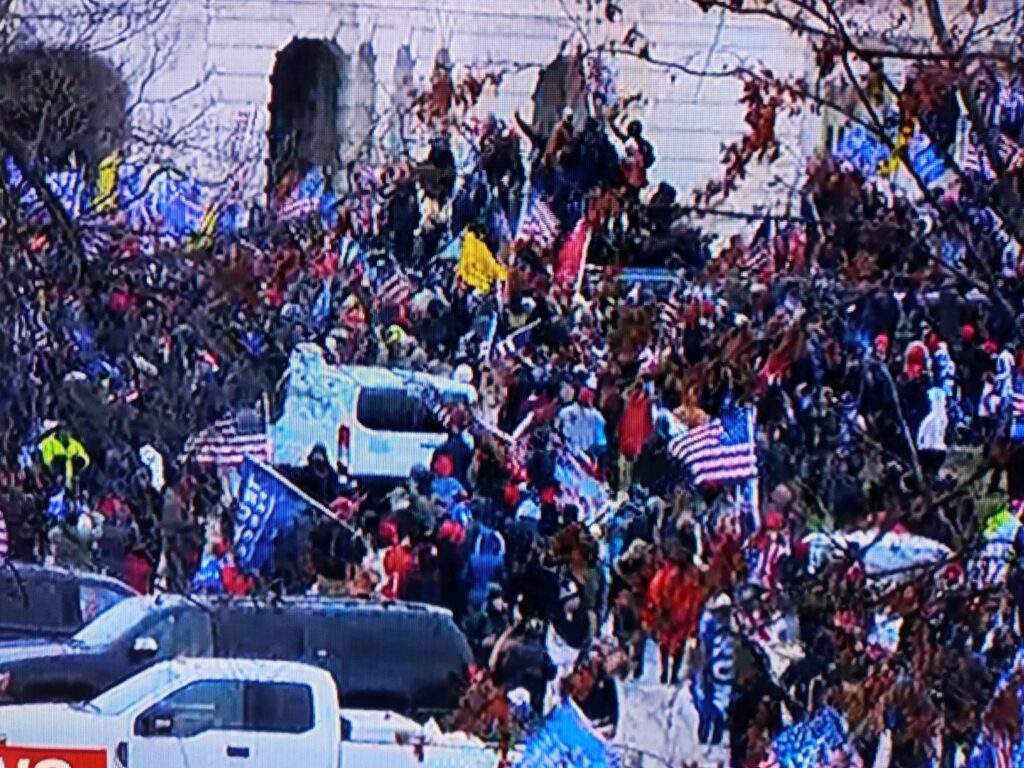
53, 603
406, 657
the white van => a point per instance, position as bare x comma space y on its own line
372, 420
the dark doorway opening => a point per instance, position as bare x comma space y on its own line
306, 101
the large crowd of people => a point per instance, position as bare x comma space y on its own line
883, 385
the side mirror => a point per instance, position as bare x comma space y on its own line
156, 724
145, 647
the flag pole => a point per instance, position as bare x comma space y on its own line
490, 335
265, 403
309, 500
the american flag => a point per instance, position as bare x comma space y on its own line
514, 343
578, 485
539, 223
720, 451
396, 290
765, 559
97, 240
672, 312
227, 441
1002, 751
760, 256
298, 208
976, 161
1011, 152
443, 410
757, 259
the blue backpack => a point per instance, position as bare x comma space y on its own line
486, 562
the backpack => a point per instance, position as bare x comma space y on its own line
647, 152
487, 561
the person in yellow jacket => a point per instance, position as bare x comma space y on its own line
63, 454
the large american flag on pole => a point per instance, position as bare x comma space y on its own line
227, 442
539, 224
722, 451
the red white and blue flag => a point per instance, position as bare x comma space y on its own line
539, 224
722, 451
396, 290
227, 442
515, 342
760, 257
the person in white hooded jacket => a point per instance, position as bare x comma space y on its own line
931, 435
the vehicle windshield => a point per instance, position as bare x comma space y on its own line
122, 697
113, 623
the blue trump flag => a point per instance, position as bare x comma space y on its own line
568, 739
269, 506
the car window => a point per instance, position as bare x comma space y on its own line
394, 410
119, 621
183, 632
120, 698
278, 707
45, 604
207, 705
260, 635
94, 599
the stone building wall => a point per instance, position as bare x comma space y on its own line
208, 62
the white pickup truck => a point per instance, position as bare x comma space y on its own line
225, 712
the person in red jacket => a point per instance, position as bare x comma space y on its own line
672, 609
635, 428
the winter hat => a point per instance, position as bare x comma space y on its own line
915, 360
387, 532
344, 508
511, 495
452, 532
444, 466
967, 333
